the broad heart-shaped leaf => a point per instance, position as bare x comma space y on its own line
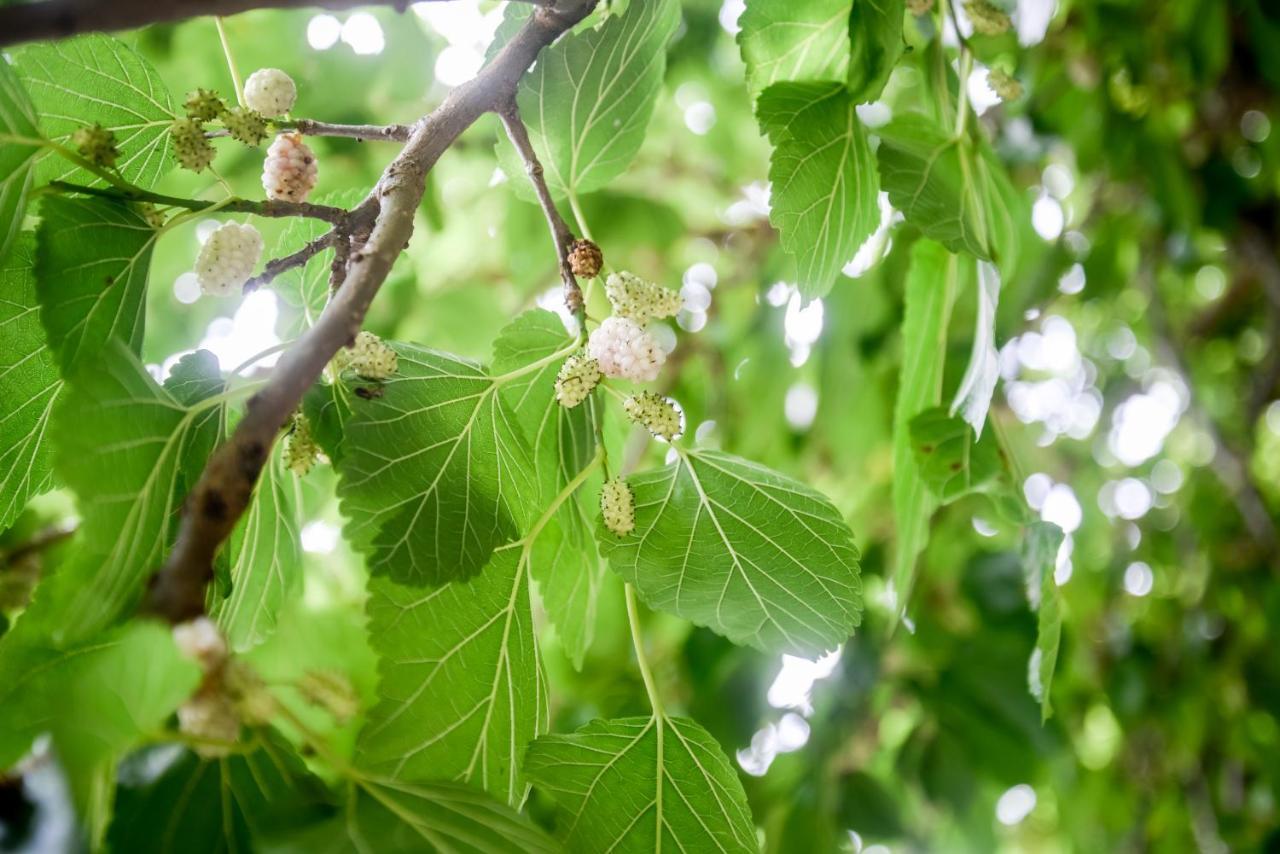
564, 559
875, 38
932, 177
949, 457
589, 98
436, 472
461, 683
395, 818
168, 799
824, 178
738, 548
934, 278
797, 40
17, 119
98, 78
642, 785
120, 443
265, 557
1039, 560
98, 698
29, 384
92, 258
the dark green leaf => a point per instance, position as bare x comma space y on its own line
951, 460
875, 36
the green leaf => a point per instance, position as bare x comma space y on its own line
642, 785
29, 385
1039, 560
17, 119
794, 41
194, 805
92, 258
588, 99
435, 469
395, 818
931, 176
738, 548
973, 397
824, 179
98, 78
98, 698
934, 278
875, 37
265, 557
564, 559
304, 291
137, 443
950, 459
461, 684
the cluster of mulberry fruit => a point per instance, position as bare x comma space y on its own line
268, 93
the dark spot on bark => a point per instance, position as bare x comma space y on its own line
214, 506
254, 401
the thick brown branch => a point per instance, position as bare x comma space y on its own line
277, 266
223, 492
561, 236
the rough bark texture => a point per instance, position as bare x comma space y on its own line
221, 496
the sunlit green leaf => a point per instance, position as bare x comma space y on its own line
824, 178
729, 544
1039, 560
643, 784
92, 258
794, 41
29, 385
461, 686
17, 120
875, 36
97, 78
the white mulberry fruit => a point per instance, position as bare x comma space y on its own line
270, 91
636, 299
655, 413
1004, 84
202, 642
301, 450
370, 358
191, 148
618, 507
578, 377
227, 259
625, 350
246, 125
987, 18
96, 144
204, 105
289, 172
211, 715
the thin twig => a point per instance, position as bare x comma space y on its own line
222, 494
561, 236
277, 266
311, 127
273, 208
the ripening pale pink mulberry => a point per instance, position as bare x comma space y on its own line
625, 350
289, 172
227, 259
270, 91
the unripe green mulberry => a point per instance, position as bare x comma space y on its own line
987, 18
1004, 84
191, 148
578, 376
636, 299
655, 413
618, 507
245, 125
96, 144
204, 105
300, 447
370, 358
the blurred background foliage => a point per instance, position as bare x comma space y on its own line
1140, 374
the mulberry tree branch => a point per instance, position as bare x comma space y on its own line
275, 208
59, 19
311, 127
277, 266
561, 236
215, 504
